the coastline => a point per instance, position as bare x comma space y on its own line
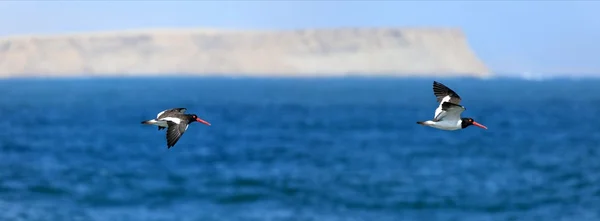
399, 52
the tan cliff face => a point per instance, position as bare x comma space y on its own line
314, 52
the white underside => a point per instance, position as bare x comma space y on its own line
445, 125
447, 120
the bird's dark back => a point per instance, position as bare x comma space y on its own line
170, 113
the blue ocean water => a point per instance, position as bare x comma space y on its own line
298, 149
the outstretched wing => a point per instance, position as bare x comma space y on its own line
445, 94
170, 112
449, 111
174, 132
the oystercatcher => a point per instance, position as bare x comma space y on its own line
447, 115
176, 122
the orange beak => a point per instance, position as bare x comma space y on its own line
479, 125
202, 121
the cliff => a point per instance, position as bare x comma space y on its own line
368, 51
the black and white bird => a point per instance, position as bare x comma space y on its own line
447, 115
176, 122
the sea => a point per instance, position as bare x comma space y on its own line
322, 149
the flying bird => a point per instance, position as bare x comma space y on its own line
175, 121
447, 115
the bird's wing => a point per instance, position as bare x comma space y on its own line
174, 132
445, 94
439, 110
168, 112
173, 119
449, 111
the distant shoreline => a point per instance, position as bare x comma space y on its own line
246, 76
298, 52
295, 78
175, 31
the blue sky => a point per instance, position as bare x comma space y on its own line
535, 36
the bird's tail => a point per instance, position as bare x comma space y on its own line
426, 123
151, 122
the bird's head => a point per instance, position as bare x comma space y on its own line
196, 118
469, 121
